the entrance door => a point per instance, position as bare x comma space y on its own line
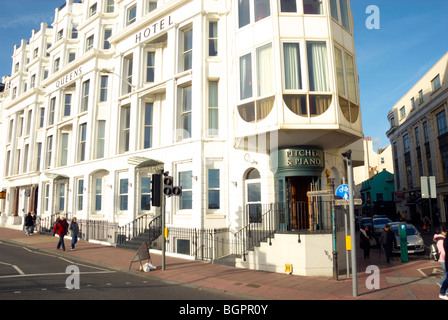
298, 211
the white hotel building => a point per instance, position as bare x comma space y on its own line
246, 103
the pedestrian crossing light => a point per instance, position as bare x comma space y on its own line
168, 186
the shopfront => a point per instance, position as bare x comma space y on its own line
297, 170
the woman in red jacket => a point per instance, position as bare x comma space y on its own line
61, 228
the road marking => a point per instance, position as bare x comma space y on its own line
53, 274
14, 266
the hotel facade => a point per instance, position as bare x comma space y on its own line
247, 104
419, 138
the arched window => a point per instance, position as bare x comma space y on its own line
253, 196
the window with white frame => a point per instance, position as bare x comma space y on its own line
131, 15
346, 84
253, 196
213, 38
313, 7
71, 56
187, 49
42, 117
28, 122
340, 12
52, 111
258, 9
64, 148
186, 182
93, 9
150, 66
7, 162
250, 109
147, 125
33, 81
82, 142
288, 6
145, 193
101, 139
67, 104
38, 155
56, 64
152, 5
47, 196
25, 158
89, 43
213, 189
125, 127
123, 194
79, 194
292, 66
61, 196
103, 89
98, 193
60, 34
85, 96
49, 151
127, 74
213, 109
110, 6
75, 32
185, 112
107, 35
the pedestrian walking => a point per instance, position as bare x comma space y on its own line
29, 224
33, 214
61, 228
387, 241
74, 231
444, 287
365, 241
438, 239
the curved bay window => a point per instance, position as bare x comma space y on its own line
349, 110
307, 105
346, 82
258, 109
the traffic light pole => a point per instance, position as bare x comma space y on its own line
162, 207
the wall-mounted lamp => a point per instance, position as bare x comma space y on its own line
247, 158
235, 183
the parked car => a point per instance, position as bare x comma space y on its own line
415, 241
377, 216
378, 225
366, 222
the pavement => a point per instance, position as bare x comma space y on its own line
413, 280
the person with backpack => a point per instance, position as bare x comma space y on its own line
438, 239
61, 228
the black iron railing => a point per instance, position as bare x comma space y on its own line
296, 217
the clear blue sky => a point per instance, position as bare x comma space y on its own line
413, 36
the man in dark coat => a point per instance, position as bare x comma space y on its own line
387, 241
